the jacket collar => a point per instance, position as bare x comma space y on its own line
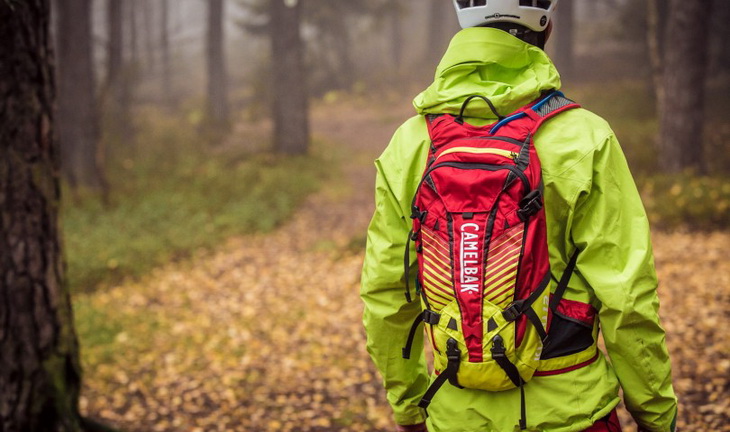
492, 63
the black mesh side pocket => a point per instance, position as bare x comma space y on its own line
566, 336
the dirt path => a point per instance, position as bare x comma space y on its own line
264, 334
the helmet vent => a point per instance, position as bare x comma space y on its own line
463, 4
542, 4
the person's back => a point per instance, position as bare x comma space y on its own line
591, 206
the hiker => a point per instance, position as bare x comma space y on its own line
493, 116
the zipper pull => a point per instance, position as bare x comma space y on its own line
514, 156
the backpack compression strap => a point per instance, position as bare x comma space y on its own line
452, 367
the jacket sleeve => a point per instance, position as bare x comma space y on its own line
387, 316
611, 229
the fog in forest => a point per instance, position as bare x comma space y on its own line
215, 182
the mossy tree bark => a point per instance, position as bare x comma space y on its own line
39, 364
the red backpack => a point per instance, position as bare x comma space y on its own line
480, 235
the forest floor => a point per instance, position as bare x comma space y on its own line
264, 333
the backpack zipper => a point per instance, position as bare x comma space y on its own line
470, 166
504, 139
477, 150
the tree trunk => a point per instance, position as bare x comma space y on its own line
396, 38
343, 45
565, 34
721, 35
165, 48
78, 122
118, 89
290, 105
115, 43
440, 21
591, 8
149, 35
685, 66
657, 14
217, 77
39, 363
132, 7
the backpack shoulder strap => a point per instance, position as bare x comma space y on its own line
443, 128
550, 106
539, 111
563, 283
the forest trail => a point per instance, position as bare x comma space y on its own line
265, 334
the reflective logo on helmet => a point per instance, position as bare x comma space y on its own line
499, 15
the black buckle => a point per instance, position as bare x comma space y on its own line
431, 317
418, 214
452, 351
415, 212
452, 367
530, 204
498, 349
513, 311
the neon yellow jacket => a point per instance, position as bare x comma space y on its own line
591, 204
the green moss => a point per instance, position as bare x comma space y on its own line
65, 394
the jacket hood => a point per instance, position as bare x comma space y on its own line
492, 63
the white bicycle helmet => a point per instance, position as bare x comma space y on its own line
533, 14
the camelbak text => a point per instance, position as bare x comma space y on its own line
469, 258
